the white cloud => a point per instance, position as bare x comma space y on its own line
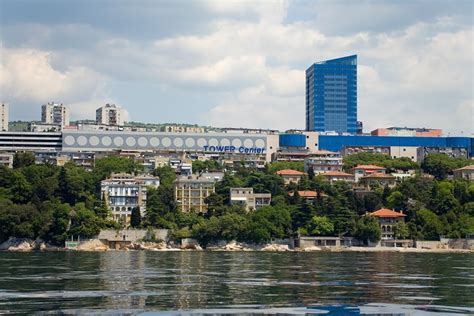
27, 77
417, 73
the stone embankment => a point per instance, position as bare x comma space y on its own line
25, 245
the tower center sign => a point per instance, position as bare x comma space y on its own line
233, 149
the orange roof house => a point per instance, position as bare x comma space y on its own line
385, 212
387, 221
290, 175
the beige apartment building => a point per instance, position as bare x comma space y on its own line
190, 193
249, 199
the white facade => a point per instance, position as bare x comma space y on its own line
110, 114
3, 117
124, 192
249, 199
404, 151
323, 161
55, 114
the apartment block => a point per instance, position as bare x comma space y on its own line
55, 114
110, 115
323, 161
190, 193
124, 192
246, 197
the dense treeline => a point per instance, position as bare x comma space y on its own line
54, 203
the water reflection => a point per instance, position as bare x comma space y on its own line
140, 281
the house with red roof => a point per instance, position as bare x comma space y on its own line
308, 195
377, 179
387, 220
363, 170
290, 175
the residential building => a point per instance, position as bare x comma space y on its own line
466, 172
110, 115
6, 160
323, 161
212, 175
349, 150
249, 199
290, 175
55, 114
387, 220
364, 170
307, 195
124, 192
377, 179
333, 176
190, 193
331, 96
3, 117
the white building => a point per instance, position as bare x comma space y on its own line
6, 160
3, 117
55, 114
322, 161
123, 192
110, 114
246, 197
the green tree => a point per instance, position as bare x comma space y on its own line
321, 226
401, 230
167, 176
23, 159
135, 218
368, 229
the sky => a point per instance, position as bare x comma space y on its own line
238, 63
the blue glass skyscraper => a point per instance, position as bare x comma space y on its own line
331, 95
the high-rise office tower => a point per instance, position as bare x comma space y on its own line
55, 113
3, 117
331, 96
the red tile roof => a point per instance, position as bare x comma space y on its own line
307, 194
378, 176
337, 174
369, 167
384, 212
290, 172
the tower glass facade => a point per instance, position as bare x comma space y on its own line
331, 96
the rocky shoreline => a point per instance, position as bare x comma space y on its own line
95, 245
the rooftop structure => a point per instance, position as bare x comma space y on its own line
407, 131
